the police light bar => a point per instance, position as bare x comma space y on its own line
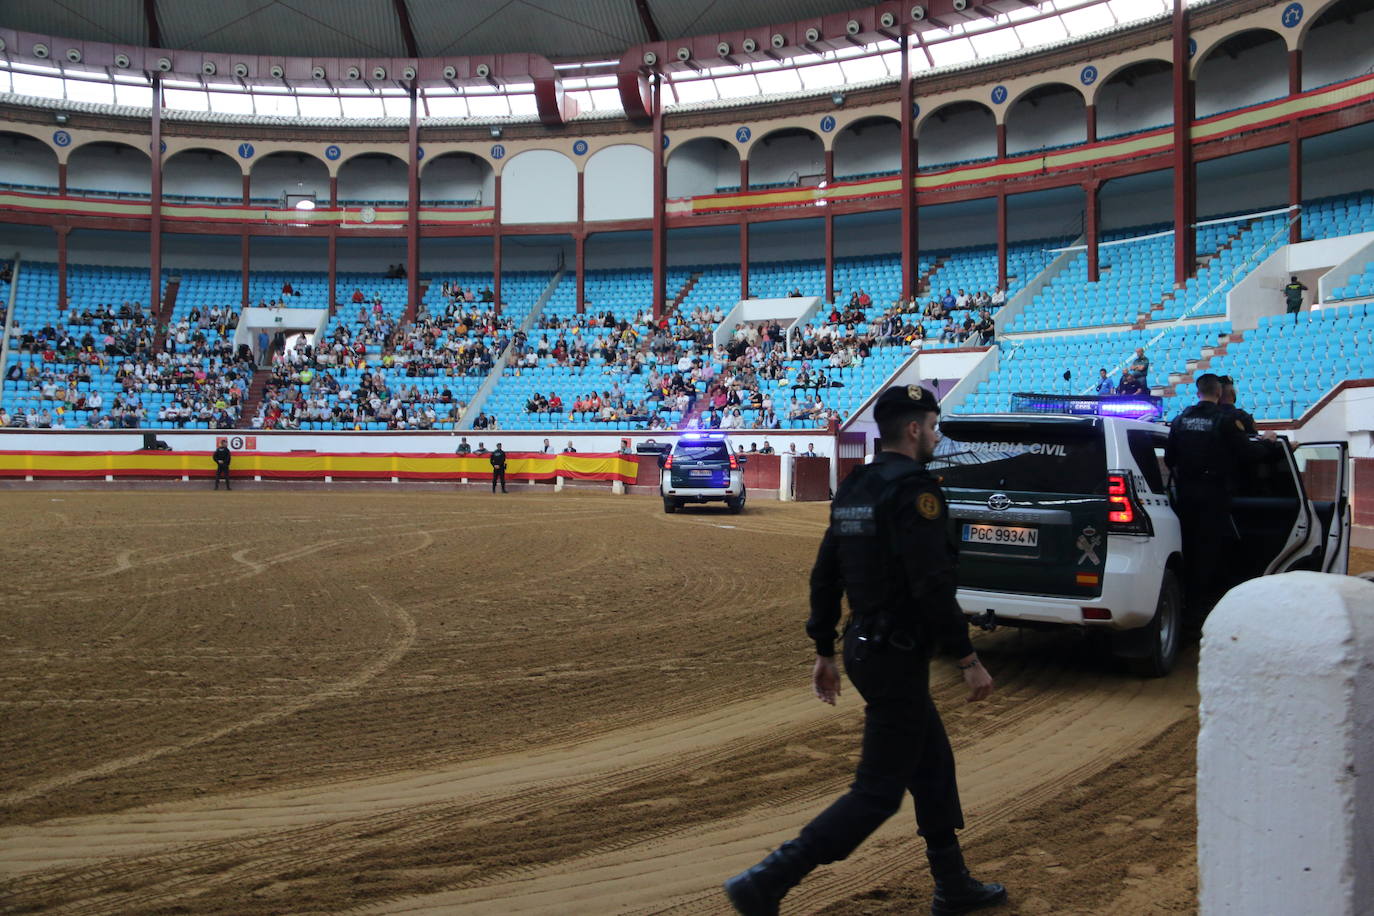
1130, 407
713, 437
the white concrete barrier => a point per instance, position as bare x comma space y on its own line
1285, 797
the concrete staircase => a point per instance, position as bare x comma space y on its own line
1203, 260
1196, 367
254, 400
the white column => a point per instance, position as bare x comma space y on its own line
1286, 751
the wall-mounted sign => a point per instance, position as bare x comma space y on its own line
999, 94
498, 151
1088, 76
743, 134
828, 123
245, 151
580, 148
332, 153
1292, 15
62, 138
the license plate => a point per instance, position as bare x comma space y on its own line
705, 472
1002, 534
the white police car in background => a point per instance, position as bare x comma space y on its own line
1065, 519
700, 469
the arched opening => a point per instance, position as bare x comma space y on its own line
705, 165
1337, 46
788, 157
619, 184
457, 180
1047, 116
278, 175
105, 169
868, 148
539, 186
957, 133
1244, 69
199, 175
1137, 97
378, 179
27, 164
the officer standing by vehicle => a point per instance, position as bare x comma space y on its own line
222, 457
1228, 404
1207, 446
888, 548
498, 468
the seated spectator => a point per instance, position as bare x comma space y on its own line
1140, 367
1130, 384
568, 449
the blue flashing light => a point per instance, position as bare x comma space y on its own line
1129, 407
711, 437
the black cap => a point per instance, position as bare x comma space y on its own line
907, 397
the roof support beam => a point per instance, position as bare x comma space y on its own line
154, 32
647, 18
407, 33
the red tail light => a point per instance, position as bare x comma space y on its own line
668, 463
1120, 511
734, 463
1125, 515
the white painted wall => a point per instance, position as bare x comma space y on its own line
700, 166
373, 177
785, 158
109, 167
619, 184
1337, 50
204, 173
23, 160
289, 173
1350, 263
457, 178
969, 133
875, 146
1255, 75
1348, 417
539, 186
384, 443
1148, 102
1049, 121
1285, 799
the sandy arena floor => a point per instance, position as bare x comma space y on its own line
271, 702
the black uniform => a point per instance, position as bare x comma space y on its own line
498, 469
1207, 446
222, 458
888, 548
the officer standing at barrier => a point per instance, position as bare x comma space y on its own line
498, 468
889, 549
1207, 446
222, 458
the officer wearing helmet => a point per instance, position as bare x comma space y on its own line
889, 550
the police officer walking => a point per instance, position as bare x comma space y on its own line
1292, 297
222, 457
888, 548
498, 468
1207, 446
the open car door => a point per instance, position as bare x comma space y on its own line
1273, 518
1324, 471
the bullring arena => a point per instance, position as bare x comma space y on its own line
452, 702
665, 251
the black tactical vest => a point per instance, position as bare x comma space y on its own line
861, 518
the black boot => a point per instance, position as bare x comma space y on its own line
956, 891
757, 891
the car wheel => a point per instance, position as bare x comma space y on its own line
736, 506
1163, 631
669, 505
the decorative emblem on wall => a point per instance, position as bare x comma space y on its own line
332, 152
498, 151
367, 214
1292, 15
1088, 76
419, 153
828, 123
245, 151
665, 141
743, 134
580, 148
1192, 47
62, 138
999, 94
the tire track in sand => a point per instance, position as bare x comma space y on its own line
389, 657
